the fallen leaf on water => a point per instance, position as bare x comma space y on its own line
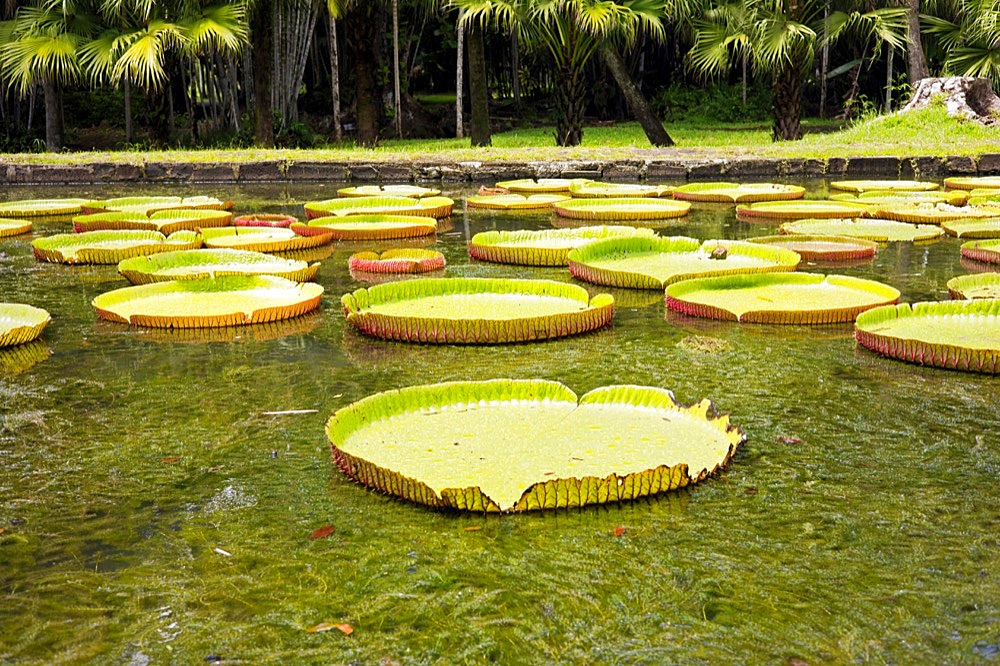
789, 440
171, 459
321, 532
619, 531
472, 528
345, 629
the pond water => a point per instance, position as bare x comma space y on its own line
153, 510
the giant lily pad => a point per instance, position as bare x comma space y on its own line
890, 185
411, 191
546, 247
231, 300
21, 323
518, 445
428, 206
822, 248
476, 310
264, 220
786, 298
972, 182
622, 209
530, 186
41, 207
110, 247
973, 228
368, 227
893, 198
597, 190
738, 192
798, 210
149, 205
164, 221
195, 264
260, 239
402, 260
14, 227
935, 213
541, 201
982, 250
880, 231
978, 285
653, 263
961, 335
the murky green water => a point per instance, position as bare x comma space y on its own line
153, 513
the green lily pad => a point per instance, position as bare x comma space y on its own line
653, 263
972, 182
476, 310
738, 192
798, 210
21, 323
411, 191
195, 264
402, 260
149, 205
517, 445
231, 300
41, 207
880, 231
973, 228
978, 285
260, 239
822, 248
959, 335
890, 185
541, 201
541, 185
14, 227
935, 213
545, 247
110, 247
427, 207
596, 190
785, 298
638, 208
368, 227
164, 221
892, 198
982, 250
990, 200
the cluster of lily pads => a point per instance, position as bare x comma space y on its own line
194, 265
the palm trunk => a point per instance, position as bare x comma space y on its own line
261, 28
127, 87
916, 62
571, 91
479, 89
365, 30
515, 69
459, 69
398, 119
637, 102
338, 130
54, 126
787, 103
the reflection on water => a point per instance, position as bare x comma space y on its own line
158, 489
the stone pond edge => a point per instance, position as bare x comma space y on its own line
689, 169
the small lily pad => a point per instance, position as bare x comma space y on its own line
972, 182
880, 231
202, 263
368, 227
597, 190
637, 208
402, 260
540, 201
109, 247
21, 323
14, 227
982, 250
541, 185
738, 192
41, 207
978, 285
889, 185
411, 191
779, 298
517, 445
545, 247
973, 228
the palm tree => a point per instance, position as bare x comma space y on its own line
969, 32
572, 32
779, 38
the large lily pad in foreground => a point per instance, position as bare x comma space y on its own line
260, 239
20, 323
637, 208
977, 285
738, 192
110, 247
961, 335
519, 445
982, 250
232, 300
785, 298
653, 263
14, 227
822, 248
195, 264
880, 231
476, 310
368, 227
544, 247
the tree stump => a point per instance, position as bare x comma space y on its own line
964, 96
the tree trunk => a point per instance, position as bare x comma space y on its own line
479, 92
916, 62
397, 100
261, 30
54, 127
127, 89
787, 103
637, 102
888, 81
365, 30
459, 68
515, 69
338, 130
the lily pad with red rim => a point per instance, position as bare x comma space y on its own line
958, 335
208, 262
544, 247
264, 220
977, 285
987, 251
517, 445
822, 248
476, 310
21, 323
779, 298
738, 192
110, 247
402, 260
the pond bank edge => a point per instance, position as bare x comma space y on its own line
287, 170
